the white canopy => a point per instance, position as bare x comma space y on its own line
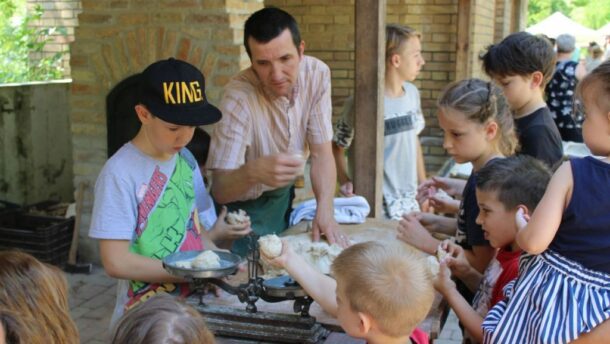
604, 30
557, 24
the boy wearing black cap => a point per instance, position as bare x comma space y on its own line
150, 192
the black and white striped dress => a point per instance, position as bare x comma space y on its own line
565, 291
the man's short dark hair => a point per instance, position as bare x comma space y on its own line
268, 23
520, 54
517, 180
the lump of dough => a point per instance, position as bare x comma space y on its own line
270, 245
441, 253
237, 217
183, 264
433, 265
206, 260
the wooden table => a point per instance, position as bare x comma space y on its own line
372, 229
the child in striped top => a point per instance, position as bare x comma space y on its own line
563, 291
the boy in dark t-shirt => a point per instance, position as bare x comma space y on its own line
522, 64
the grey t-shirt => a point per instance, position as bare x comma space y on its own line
403, 121
151, 204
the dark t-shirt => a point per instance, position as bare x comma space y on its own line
469, 233
539, 137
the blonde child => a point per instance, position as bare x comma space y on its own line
162, 319
403, 121
564, 290
380, 291
477, 128
34, 301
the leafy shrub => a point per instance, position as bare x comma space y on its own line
18, 40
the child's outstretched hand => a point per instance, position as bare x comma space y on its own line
224, 231
456, 259
443, 282
442, 202
281, 260
521, 218
413, 233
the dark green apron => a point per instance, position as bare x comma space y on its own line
269, 214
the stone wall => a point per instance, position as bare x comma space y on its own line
116, 39
59, 14
34, 117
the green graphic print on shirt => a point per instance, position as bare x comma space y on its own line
165, 224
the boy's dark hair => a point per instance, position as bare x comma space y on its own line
520, 54
268, 23
200, 145
517, 180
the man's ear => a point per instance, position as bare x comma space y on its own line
537, 79
143, 114
301, 48
366, 322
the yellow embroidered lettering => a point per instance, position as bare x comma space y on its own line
196, 89
167, 93
186, 93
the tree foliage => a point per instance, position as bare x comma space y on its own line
19, 39
590, 13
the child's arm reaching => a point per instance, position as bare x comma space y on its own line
536, 235
120, 263
471, 320
320, 287
460, 266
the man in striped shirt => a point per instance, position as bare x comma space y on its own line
274, 114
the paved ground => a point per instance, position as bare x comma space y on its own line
92, 299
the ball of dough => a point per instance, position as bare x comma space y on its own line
270, 245
237, 217
441, 253
206, 260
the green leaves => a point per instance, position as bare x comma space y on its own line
21, 47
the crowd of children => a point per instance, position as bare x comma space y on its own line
529, 261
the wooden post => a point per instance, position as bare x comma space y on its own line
368, 102
519, 15
462, 59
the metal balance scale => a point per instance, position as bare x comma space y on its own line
249, 323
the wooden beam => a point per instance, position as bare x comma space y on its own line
368, 102
462, 58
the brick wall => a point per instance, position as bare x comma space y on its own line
482, 33
59, 14
503, 19
328, 31
118, 38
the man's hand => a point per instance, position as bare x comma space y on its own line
347, 189
223, 231
330, 228
413, 233
276, 170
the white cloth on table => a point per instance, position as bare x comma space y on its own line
347, 210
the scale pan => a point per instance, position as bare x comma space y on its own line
228, 265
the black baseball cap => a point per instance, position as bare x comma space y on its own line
174, 91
